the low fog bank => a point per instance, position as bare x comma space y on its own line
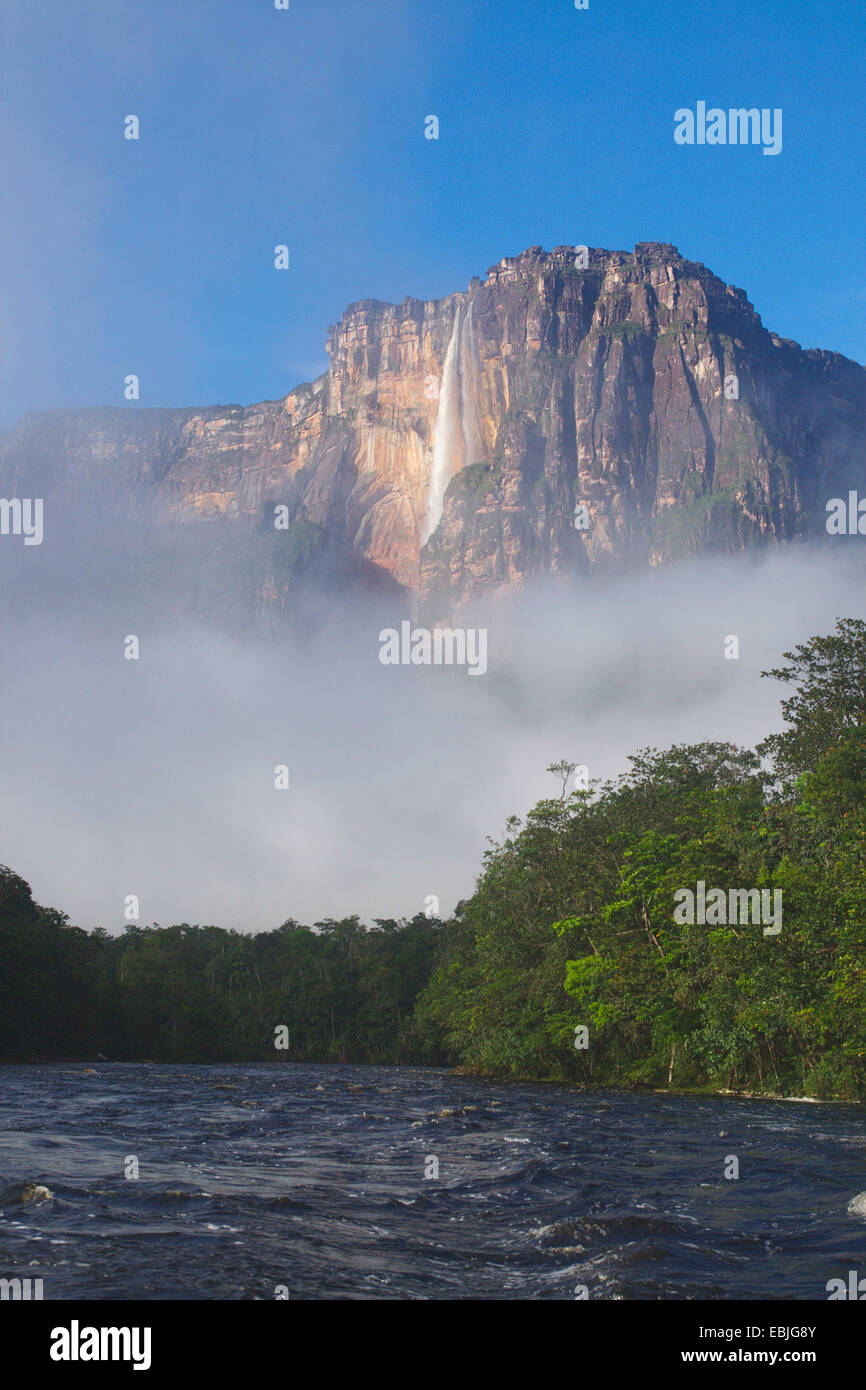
155, 777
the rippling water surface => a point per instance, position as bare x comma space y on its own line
313, 1177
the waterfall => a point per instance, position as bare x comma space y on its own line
457, 434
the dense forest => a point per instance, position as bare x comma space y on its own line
570, 961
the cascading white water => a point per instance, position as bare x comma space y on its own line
447, 436
457, 435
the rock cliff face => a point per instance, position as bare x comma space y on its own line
554, 417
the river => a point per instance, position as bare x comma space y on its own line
264, 1181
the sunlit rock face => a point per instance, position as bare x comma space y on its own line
553, 418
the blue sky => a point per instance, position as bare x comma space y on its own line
306, 127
